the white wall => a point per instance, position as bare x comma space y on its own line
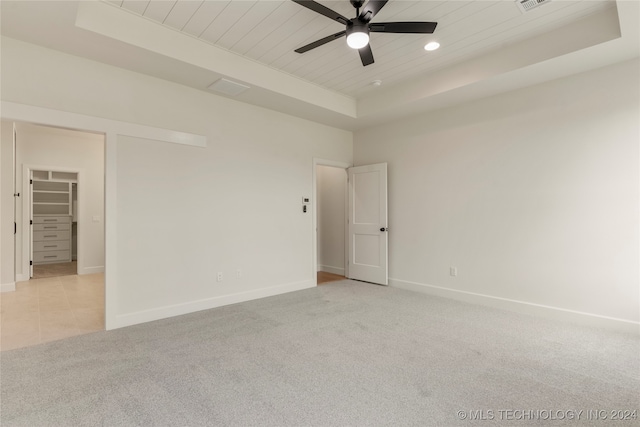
7, 277
533, 195
331, 190
62, 149
185, 213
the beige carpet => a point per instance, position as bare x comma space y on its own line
342, 354
55, 270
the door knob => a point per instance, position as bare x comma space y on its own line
384, 229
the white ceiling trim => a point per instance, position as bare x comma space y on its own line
81, 122
579, 35
620, 49
118, 24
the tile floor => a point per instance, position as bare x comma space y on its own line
50, 309
54, 270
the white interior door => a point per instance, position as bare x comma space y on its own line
367, 228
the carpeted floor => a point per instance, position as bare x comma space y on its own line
343, 354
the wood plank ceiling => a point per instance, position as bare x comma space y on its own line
268, 31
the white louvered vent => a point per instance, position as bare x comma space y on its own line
228, 87
526, 5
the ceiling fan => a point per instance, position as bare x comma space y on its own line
358, 28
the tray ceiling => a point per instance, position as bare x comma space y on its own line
487, 47
269, 31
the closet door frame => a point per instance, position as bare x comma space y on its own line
27, 215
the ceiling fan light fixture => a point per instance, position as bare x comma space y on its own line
357, 36
357, 40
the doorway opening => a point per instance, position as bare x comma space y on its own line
357, 246
54, 223
59, 248
330, 219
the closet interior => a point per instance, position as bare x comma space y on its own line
54, 237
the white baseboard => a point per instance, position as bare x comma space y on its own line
83, 270
521, 306
205, 304
8, 287
91, 270
330, 269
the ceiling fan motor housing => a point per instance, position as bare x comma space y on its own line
357, 26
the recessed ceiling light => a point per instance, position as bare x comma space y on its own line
431, 46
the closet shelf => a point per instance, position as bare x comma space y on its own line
50, 191
50, 203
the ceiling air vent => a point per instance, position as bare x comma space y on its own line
526, 5
228, 87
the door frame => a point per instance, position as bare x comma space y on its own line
314, 230
111, 129
376, 274
27, 228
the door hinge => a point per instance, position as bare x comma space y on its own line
30, 181
30, 262
30, 222
15, 228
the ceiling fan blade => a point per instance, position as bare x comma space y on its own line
403, 27
323, 10
366, 55
320, 42
370, 9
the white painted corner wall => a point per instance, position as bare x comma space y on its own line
331, 184
176, 215
64, 150
7, 275
532, 195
